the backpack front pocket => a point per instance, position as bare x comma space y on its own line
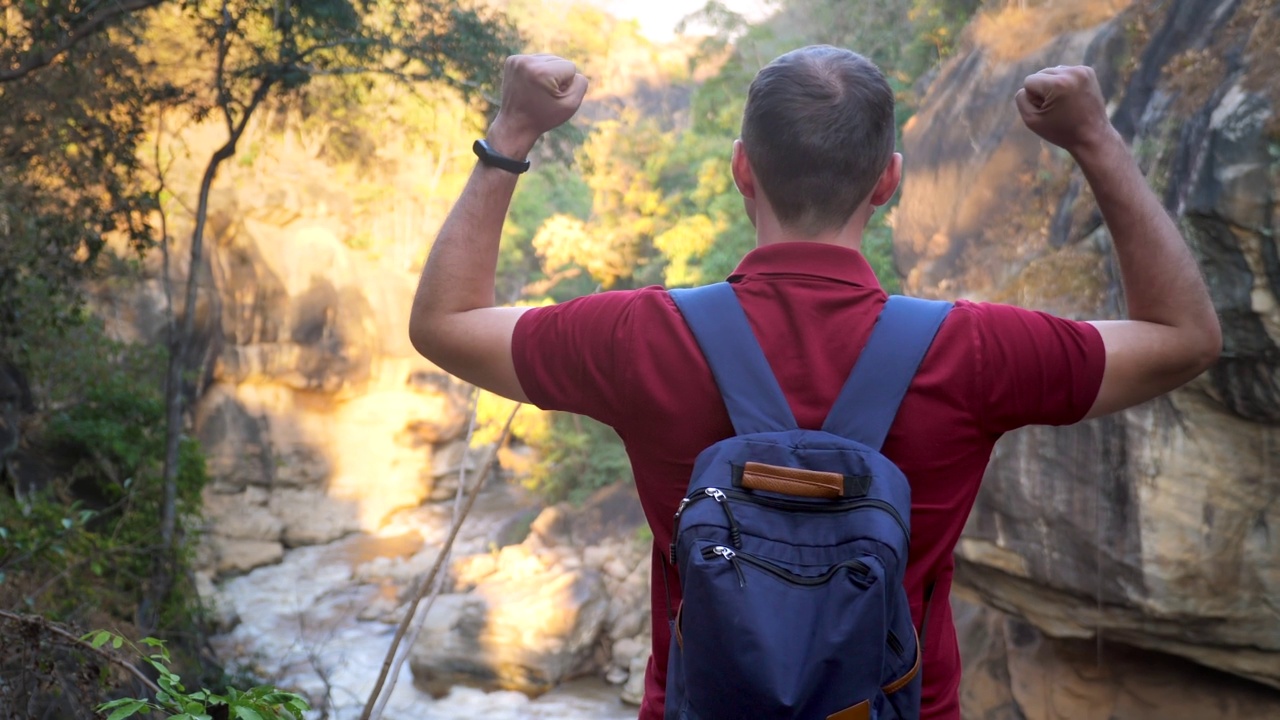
749, 626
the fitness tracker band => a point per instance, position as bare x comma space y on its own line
494, 159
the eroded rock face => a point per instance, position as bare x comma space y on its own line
1155, 525
1012, 671
317, 416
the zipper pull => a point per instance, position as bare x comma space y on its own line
675, 529
732, 557
735, 536
684, 503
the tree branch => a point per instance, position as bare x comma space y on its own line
39, 622
219, 73
37, 57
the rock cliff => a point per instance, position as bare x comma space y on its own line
1156, 527
317, 416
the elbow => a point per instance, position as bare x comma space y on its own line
1213, 349
422, 333
1209, 348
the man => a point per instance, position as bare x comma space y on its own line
815, 160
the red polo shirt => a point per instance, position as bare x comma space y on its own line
628, 360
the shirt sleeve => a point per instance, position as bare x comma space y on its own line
571, 356
1033, 368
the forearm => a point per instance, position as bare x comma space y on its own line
459, 272
1162, 283
454, 322
1172, 334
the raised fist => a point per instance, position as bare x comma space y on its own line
1064, 105
539, 92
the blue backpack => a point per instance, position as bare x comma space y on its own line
791, 544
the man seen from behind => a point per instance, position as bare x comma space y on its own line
815, 159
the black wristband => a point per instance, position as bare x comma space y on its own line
494, 159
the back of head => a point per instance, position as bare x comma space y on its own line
818, 130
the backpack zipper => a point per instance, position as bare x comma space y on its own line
735, 535
787, 576
729, 555
827, 507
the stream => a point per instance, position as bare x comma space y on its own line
319, 622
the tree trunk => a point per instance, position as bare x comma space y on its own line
175, 400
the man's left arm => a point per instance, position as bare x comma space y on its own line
454, 321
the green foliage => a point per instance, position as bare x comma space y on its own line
550, 189
877, 248
664, 207
176, 702
86, 542
69, 176
264, 47
579, 456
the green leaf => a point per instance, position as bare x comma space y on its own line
127, 710
116, 642
244, 713
100, 638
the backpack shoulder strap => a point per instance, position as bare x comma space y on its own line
751, 392
869, 401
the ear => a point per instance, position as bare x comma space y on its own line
745, 179
887, 185
742, 175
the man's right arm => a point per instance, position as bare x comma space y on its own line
1172, 334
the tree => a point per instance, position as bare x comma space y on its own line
35, 34
269, 49
69, 178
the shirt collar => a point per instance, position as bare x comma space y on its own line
817, 259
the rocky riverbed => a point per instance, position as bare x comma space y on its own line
556, 619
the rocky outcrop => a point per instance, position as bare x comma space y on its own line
1154, 527
526, 625
571, 599
1013, 671
317, 416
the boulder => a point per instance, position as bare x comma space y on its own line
310, 517
235, 443
241, 516
1150, 527
221, 613
231, 556
1012, 671
524, 627
611, 512
633, 689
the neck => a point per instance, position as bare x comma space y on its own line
770, 232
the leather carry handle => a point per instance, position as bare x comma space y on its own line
801, 483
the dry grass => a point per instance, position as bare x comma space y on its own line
1018, 29
1195, 74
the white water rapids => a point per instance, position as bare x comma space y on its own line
299, 626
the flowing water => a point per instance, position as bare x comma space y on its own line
299, 625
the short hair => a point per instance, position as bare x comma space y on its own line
818, 130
